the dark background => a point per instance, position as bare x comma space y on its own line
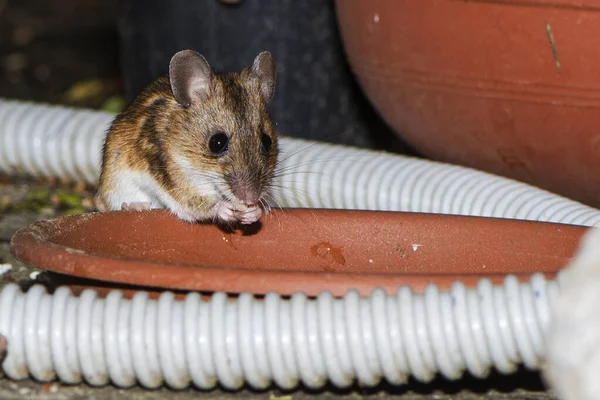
100, 54
60, 51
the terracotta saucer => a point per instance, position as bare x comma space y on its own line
296, 250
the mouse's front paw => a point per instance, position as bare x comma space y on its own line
249, 215
136, 206
229, 213
226, 212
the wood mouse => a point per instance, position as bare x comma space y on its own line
196, 142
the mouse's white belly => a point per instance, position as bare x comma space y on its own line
139, 187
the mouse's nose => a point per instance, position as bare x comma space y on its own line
248, 198
245, 188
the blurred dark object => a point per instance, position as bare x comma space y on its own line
59, 51
316, 96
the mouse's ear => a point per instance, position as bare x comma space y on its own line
264, 68
190, 74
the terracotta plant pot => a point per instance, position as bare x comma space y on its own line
296, 250
511, 87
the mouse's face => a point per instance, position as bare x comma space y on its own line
229, 150
231, 143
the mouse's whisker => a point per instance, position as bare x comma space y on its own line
314, 162
268, 198
291, 173
344, 157
264, 204
296, 193
303, 197
308, 207
287, 156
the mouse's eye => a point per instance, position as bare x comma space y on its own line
265, 143
218, 143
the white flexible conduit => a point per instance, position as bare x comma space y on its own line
285, 342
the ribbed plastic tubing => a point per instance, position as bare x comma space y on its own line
285, 342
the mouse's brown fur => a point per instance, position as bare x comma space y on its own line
155, 131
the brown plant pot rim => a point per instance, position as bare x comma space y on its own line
295, 250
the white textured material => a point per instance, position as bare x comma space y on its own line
285, 342
323, 175
53, 141
273, 340
574, 334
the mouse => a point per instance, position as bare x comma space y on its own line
196, 142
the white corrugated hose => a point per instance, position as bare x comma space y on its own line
285, 342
